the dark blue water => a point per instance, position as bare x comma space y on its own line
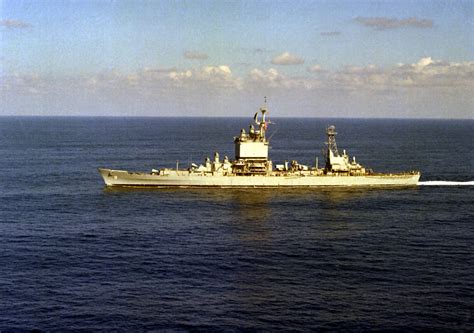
75, 256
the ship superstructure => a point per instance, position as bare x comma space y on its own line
251, 149
339, 163
251, 167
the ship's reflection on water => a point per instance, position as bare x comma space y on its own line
259, 218
260, 194
259, 211
258, 197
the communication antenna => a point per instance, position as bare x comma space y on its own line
263, 123
264, 108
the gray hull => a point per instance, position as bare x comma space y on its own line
186, 179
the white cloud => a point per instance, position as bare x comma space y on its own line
177, 76
424, 73
428, 72
314, 69
208, 76
259, 75
450, 84
217, 70
287, 59
274, 79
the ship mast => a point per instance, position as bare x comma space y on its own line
331, 145
263, 124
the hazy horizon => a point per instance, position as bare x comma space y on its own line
227, 117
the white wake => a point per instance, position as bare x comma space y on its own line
445, 183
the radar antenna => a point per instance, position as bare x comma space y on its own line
331, 144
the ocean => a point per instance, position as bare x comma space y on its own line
76, 256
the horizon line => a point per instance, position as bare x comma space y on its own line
224, 117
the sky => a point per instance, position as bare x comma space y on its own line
388, 59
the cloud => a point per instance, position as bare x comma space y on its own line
270, 77
259, 80
420, 65
423, 74
215, 77
330, 33
426, 73
441, 85
287, 59
195, 55
15, 24
314, 69
434, 73
179, 76
384, 23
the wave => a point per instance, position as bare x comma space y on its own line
445, 183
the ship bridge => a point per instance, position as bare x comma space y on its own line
251, 148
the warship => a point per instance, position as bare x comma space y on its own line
252, 168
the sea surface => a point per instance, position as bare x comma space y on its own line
75, 256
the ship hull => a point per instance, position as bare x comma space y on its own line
122, 178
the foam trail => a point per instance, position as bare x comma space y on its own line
445, 183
